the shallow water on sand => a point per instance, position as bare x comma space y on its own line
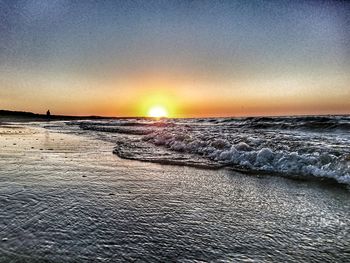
66, 198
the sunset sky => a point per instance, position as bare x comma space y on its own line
196, 58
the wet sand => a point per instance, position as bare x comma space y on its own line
67, 198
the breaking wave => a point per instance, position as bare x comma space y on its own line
306, 147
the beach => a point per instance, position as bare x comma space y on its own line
65, 197
174, 131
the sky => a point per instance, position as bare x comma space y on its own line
195, 58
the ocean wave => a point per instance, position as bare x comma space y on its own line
113, 129
245, 156
312, 123
308, 147
124, 126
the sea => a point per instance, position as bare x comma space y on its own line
306, 147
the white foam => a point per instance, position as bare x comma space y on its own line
287, 152
261, 159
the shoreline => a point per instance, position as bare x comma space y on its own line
257, 173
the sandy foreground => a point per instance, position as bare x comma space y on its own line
67, 198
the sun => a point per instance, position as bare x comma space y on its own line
158, 112
157, 105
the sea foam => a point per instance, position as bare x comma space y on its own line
315, 146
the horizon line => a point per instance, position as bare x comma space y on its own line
18, 112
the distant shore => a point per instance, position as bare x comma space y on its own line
23, 116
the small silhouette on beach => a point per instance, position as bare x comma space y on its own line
48, 114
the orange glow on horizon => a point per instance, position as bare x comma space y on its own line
181, 97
